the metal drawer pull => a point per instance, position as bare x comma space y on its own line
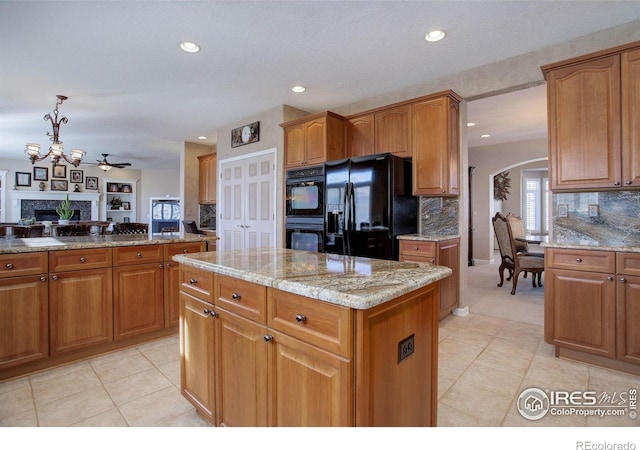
82, 259
235, 296
43, 279
185, 251
139, 255
268, 338
609, 278
54, 277
193, 281
210, 312
623, 280
300, 318
578, 260
9, 266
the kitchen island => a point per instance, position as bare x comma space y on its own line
67, 298
278, 337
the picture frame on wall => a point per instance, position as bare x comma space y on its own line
91, 183
59, 185
246, 134
126, 220
76, 176
41, 174
59, 171
126, 205
23, 179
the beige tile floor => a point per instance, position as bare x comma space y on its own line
485, 360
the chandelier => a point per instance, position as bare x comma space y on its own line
56, 150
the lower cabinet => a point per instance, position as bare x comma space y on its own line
592, 306
197, 342
138, 294
24, 322
171, 280
443, 253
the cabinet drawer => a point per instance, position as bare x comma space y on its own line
628, 263
586, 260
18, 264
418, 248
180, 248
90, 258
320, 323
241, 297
137, 254
196, 282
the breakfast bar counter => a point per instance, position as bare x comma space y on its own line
278, 337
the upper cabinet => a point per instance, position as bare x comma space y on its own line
594, 120
313, 139
435, 144
384, 131
207, 178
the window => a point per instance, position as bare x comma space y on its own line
535, 201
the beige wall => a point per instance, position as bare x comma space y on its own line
189, 178
156, 183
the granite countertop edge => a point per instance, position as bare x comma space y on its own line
428, 237
593, 245
346, 289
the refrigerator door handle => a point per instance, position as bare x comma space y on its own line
346, 248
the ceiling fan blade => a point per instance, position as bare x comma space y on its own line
120, 165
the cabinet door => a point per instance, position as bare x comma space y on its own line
584, 125
316, 141
207, 179
435, 147
580, 311
294, 145
628, 318
360, 136
241, 371
24, 322
631, 118
171, 291
309, 387
138, 300
449, 256
393, 131
212, 178
197, 354
80, 309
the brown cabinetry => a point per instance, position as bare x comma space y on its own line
384, 131
593, 115
435, 145
24, 330
80, 299
360, 135
592, 306
138, 303
172, 278
443, 253
313, 139
208, 177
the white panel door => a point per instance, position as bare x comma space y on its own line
247, 202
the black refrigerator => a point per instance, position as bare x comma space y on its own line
368, 204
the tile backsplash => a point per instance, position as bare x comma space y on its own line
208, 216
611, 217
439, 216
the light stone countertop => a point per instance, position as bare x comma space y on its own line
428, 237
584, 244
43, 244
355, 282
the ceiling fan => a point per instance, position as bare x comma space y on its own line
106, 165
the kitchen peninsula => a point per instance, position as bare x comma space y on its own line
279, 337
67, 298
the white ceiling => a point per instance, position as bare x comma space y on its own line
135, 95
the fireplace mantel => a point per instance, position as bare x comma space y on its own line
16, 197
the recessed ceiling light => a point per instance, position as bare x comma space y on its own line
190, 47
202, 138
435, 35
471, 124
485, 135
298, 89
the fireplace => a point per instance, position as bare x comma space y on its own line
23, 204
52, 215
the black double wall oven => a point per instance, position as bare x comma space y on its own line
305, 208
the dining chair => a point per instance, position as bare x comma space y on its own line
131, 228
512, 259
191, 227
70, 230
519, 233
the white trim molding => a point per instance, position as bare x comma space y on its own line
16, 197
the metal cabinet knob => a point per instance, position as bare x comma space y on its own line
623, 280
617, 183
139, 255
300, 318
235, 296
268, 338
54, 277
193, 281
43, 278
578, 260
185, 251
628, 182
206, 311
168, 264
609, 278
9, 266
83, 259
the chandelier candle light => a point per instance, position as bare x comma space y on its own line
56, 150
